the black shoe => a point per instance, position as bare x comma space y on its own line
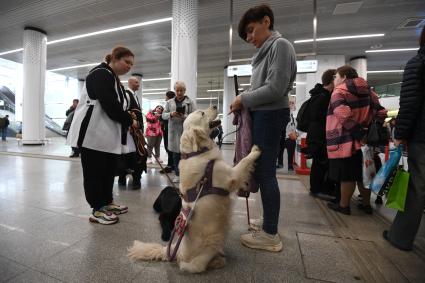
122, 181
366, 208
386, 237
322, 196
166, 170
136, 185
378, 200
337, 208
74, 155
279, 166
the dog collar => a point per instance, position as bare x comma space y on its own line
192, 154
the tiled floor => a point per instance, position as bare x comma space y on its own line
45, 235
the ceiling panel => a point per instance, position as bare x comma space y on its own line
293, 18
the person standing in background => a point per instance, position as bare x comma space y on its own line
164, 124
154, 133
176, 110
6, 124
69, 116
131, 158
288, 141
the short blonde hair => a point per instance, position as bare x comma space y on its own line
179, 84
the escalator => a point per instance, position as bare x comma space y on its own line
7, 107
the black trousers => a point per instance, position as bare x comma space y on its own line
98, 173
134, 162
319, 181
290, 148
169, 153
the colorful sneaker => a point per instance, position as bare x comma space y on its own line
103, 216
262, 241
116, 209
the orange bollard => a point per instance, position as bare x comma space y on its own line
302, 169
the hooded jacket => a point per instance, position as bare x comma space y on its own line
352, 107
274, 68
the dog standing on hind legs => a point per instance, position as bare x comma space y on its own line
202, 245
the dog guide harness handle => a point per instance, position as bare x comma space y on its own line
182, 221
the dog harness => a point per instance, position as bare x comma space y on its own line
206, 184
202, 188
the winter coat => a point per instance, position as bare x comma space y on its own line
318, 108
153, 125
410, 121
99, 122
175, 124
352, 107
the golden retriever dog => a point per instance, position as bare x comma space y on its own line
202, 244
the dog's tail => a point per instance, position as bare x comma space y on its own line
147, 251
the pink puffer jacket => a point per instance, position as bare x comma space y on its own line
153, 125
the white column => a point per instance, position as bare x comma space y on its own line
307, 81
184, 45
360, 64
80, 87
33, 129
228, 97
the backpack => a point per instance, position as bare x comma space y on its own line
303, 116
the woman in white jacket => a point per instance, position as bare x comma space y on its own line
99, 129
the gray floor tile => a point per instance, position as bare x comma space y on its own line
10, 269
33, 276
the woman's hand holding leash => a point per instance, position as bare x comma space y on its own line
236, 104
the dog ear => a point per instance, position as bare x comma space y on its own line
194, 138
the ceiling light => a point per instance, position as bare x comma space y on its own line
97, 33
385, 71
340, 37
155, 89
245, 84
392, 50
74, 67
214, 90
206, 98
12, 51
149, 93
148, 23
155, 79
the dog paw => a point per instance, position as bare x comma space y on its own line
255, 151
190, 267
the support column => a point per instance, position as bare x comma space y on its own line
360, 64
228, 97
80, 87
184, 45
34, 69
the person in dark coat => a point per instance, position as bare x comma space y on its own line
320, 185
4, 128
410, 131
69, 116
169, 168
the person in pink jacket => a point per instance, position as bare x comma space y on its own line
154, 132
352, 107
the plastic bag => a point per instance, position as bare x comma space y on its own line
398, 190
369, 169
381, 180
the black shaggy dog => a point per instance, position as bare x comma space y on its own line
168, 205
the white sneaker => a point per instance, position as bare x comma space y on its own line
160, 160
262, 241
256, 225
149, 161
176, 179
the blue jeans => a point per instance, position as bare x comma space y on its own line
267, 126
3, 133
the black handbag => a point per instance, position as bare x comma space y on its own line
377, 134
